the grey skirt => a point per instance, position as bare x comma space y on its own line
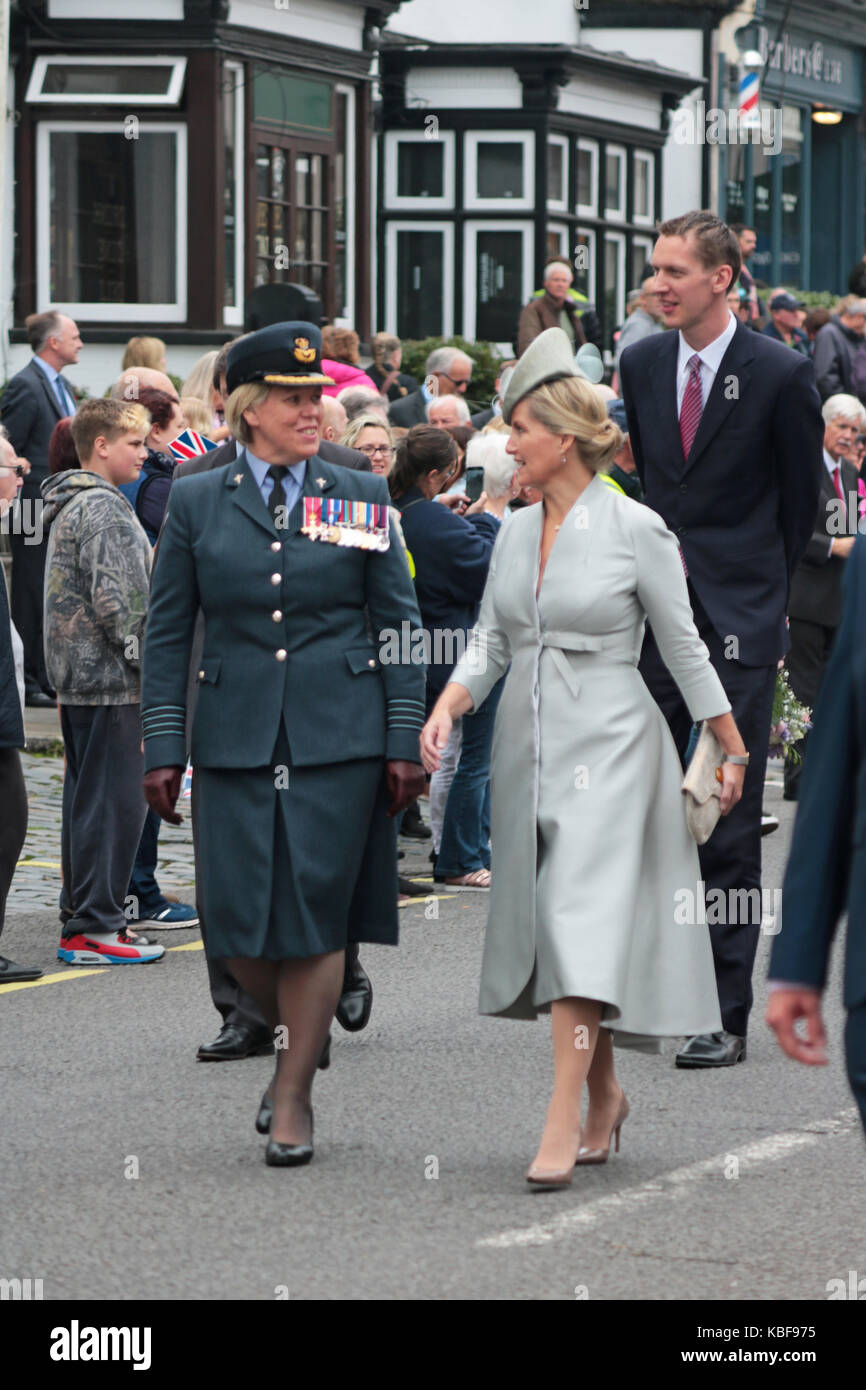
296, 862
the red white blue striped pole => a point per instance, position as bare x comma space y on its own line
747, 111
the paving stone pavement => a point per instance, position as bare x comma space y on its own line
37, 879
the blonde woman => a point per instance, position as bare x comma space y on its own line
589, 836
144, 352
371, 435
200, 383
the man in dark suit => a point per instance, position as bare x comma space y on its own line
244, 1032
449, 372
34, 400
826, 874
815, 605
726, 431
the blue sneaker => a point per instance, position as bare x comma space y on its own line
169, 917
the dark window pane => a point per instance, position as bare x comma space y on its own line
278, 174
112, 217
99, 81
499, 284
340, 221
420, 270
230, 192
263, 170
613, 183
500, 170
585, 189
555, 190
420, 169
284, 99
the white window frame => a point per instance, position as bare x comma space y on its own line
233, 314
110, 313
561, 230
473, 139
560, 204
471, 229
392, 230
351, 158
646, 241
589, 147
40, 68
444, 138
620, 240
592, 278
645, 219
620, 152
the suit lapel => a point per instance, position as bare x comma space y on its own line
50, 394
319, 480
727, 391
663, 383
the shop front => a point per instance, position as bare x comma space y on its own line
801, 185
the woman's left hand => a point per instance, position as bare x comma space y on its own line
733, 777
406, 782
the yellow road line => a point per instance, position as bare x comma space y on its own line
188, 946
51, 979
38, 864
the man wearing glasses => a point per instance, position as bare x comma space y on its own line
448, 373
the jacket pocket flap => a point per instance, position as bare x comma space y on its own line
209, 670
362, 659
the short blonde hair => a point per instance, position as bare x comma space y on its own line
360, 423
572, 405
199, 415
246, 397
144, 352
103, 416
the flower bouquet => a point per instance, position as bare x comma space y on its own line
789, 721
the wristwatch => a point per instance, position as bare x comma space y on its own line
741, 759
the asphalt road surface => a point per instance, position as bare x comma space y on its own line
131, 1171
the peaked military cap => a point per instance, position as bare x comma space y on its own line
283, 354
549, 357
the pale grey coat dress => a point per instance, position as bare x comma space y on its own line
590, 848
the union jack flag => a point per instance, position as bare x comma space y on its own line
189, 444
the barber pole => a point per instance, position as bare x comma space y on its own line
747, 111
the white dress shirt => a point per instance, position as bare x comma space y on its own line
711, 357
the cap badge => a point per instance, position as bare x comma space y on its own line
303, 351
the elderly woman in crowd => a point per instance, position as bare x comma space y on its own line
590, 840
304, 742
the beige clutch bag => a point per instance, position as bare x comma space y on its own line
702, 786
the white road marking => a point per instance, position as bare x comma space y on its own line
672, 1184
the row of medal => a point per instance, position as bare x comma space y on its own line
342, 521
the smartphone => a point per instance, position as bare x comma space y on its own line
473, 483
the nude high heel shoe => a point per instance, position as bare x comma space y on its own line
601, 1155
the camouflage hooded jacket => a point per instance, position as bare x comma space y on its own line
97, 580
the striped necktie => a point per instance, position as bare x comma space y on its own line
692, 407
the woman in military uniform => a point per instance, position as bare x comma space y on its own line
304, 744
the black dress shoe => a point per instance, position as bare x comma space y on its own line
412, 887
287, 1155
234, 1043
266, 1105
11, 973
37, 699
356, 1000
712, 1050
413, 826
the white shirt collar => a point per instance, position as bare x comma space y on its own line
831, 464
711, 356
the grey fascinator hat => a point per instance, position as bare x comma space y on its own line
548, 358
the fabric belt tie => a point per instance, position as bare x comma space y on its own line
561, 642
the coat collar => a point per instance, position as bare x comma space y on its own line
320, 479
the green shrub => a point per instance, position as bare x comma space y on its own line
486, 362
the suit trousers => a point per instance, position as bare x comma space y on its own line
13, 820
28, 583
855, 1056
231, 1002
811, 644
103, 813
731, 858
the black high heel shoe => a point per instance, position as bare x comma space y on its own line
289, 1155
266, 1107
